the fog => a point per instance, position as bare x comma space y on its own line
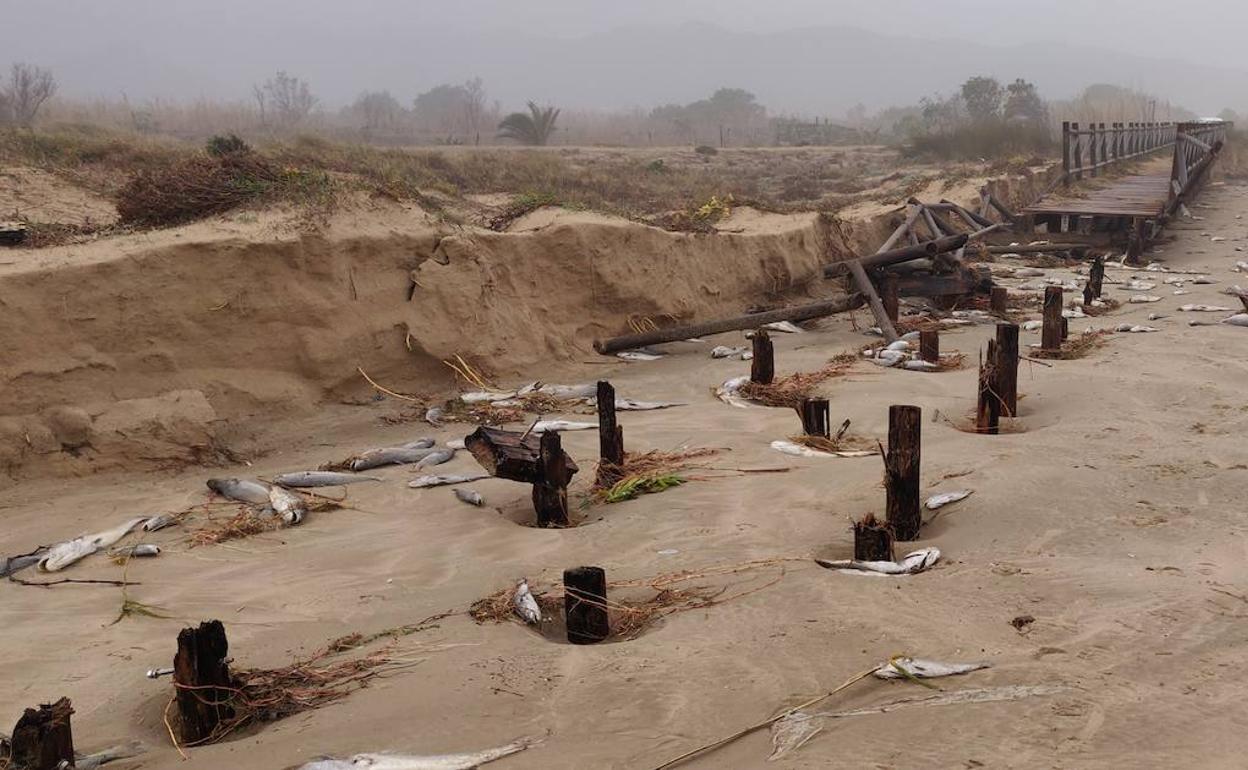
806, 57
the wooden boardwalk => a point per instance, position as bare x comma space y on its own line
1142, 195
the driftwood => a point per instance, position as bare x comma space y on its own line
749, 321
511, 455
43, 738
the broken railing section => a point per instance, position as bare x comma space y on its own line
530, 459
43, 739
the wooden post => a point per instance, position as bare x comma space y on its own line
43, 738
929, 345
1051, 334
1065, 151
873, 540
867, 289
763, 367
888, 296
1078, 150
815, 417
202, 681
550, 494
1007, 368
610, 437
1092, 149
901, 471
1096, 276
1088, 294
585, 604
1065, 328
999, 300
988, 403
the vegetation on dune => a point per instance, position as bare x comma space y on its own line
534, 128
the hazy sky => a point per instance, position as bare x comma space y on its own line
217, 48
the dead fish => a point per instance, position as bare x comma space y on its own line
486, 396
907, 668
304, 479
786, 327
434, 415
569, 392
1135, 328
470, 496
558, 426
797, 450
111, 754
730, 392
424, 442
1156, 316
436, 457
1027, 272
1073, 312
1139, 285
424, 482
396, 455
629, 405
947, 498
1239, 319
1203, 280
1136, 299
287, 505
456, 444
1198, 322
241, 490
1031, 326
910, 564
138, 550
901, 345
11, 565
159, 522
1181, 292
62, 555
637, 355
723, 351
919, 365
1205, 309
525, 605
412, 762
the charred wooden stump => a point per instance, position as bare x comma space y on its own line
1088, 294
550, 495
815, 417
901, 472
531, 459
202, 681
1007, 368
1051, 334
1065, 328
610, 437
763, 367
988, 402
873, 540
889, 296
585, 604
929, 346
43, 738
999, 300
1096, 276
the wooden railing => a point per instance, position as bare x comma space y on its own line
1088, 150
1196, 146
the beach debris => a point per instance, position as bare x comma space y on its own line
287, 505
11, 565
1205, 309
436, 457
456, 444
531, 458
1156, 316
798, 450
139, 550
763, 364
910, 564
241, 490
111, 754
1139, 285
1137, 299
308, 479
792, 732
61, 555
1239, 319
470, 496
397, 455
424, 482
434, 416
725, 351
1021, 622
487, 396
157, 673
1032, 326
638, 355
159, 522
629, 405
427, 762
1135, 328
558, 426
730, 392
1199, 322
938, 501
784, 327
913, 668
873, 540
525, 605
43, 738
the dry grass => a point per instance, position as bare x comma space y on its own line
790, 391
839, 443
1109, 305
247, 522
1074, 347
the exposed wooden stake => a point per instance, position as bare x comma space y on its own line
763, 366
929, 345
901, 476
610, 437
1096, 276
815, 417
550, 495
1051, 334
988, 403
202, 681
585, 604
867, 289
43, 738
1007, 368
888, 296
873, 540
999, 300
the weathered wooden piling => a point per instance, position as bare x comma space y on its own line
610, 436
1065, 328
585, 604
763, 367
1007, 368
815, 417
999, 299
901, 471
1051, 334
550, 494
988, 401
43, 738
889, 296
202, 681
873, 540
1096, 276
531, 459
929, 345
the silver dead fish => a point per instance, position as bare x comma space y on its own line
905, 668
947, 498
429, 762
724, 351
159, 522
287, 505
470, 496
525, 605
434, 415
111, 754
543, 426
62, 555
305, 479
241, 490
910, 564
436, 457
425, 482
396, 455
136, 551
569, 392
730, 392
637, 355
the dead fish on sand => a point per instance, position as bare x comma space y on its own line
910, 564
456, 444
1136, 299
62, 555
525, 605
1139, 285
786, 327
470, 496
569, 392
1031, 326
111, 754
1239, 319
424, 482
797, 450
395, 455
241, 490
412, 762
724, 351
287, 505
1135, 328
486, 396
436, 457
159, 522
558, 426
730, 392
434, 415
629, 405
913, 668
304, 479
10, 565
947, 498
1205, 309
136, 551
638, 355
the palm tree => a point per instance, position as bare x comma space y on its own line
534, 128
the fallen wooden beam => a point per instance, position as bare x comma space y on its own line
867, 289
512, 455
749, 321
904, 254
1041, 248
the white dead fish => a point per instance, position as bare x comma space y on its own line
1199, 322
629, 405
1139, 285
486, 396
525, 605
797, 450
1203, 280
138, 550
907, 668
724, 351
569, 392
1135, 328
1073, 312
901, 345
61, 555
787, 327
413, 762
1031, 326
730, 392
1137, 299
470, 496
97, 759
436, 457
559, 426
434, 415
11, 565
241, 490
1205, 309
306, 479
456, 444
424, 482
159, 522
1027, 272
910, 564
1217, 239
1156, 316
287, 505
395, 455
637, 355
947, 498
1239, 319
919, 365
1181, 292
